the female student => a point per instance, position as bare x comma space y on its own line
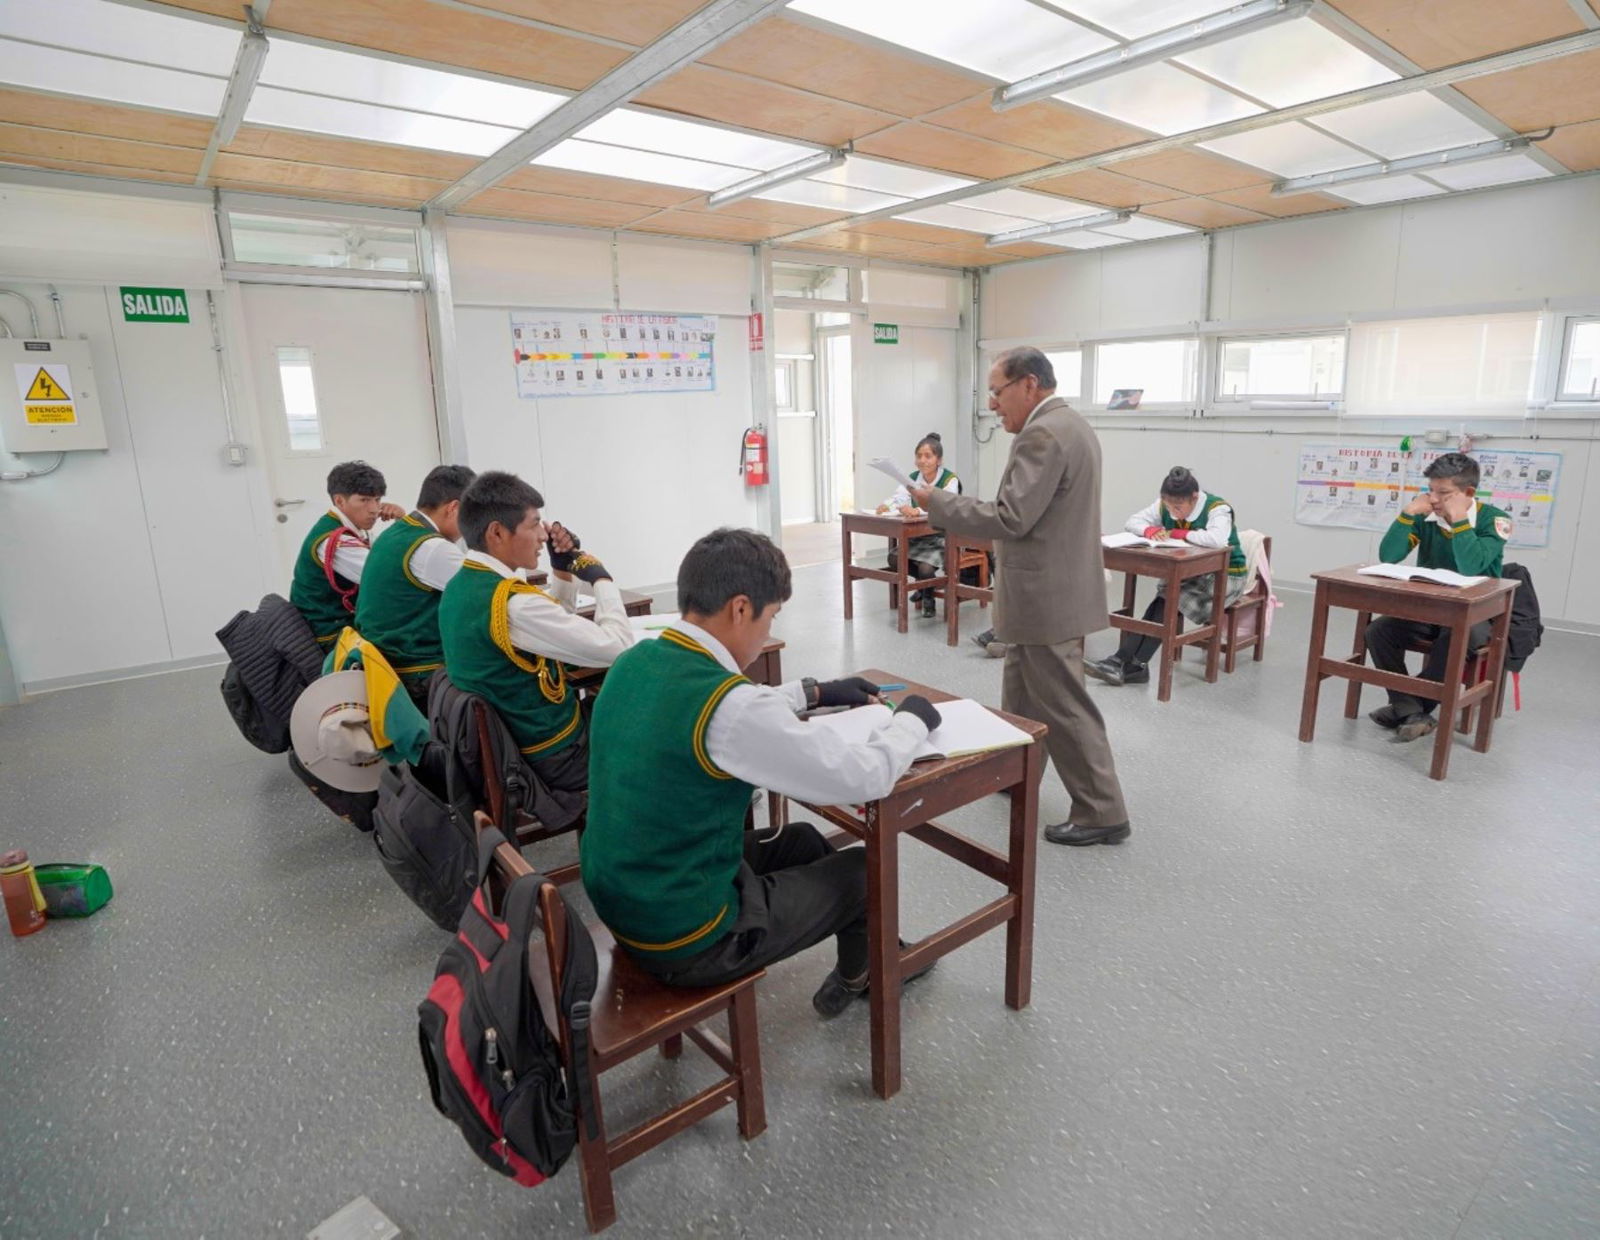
926, 553
1184, 513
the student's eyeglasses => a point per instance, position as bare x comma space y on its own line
994, 393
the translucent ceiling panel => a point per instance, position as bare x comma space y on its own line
288, 109
1490, 172
371, 79
951, 215
665, 135
1083, 239
1387, 189
1133, 18
1143, 228
1160, 98
1406, 125
117, 30
1007, 39
1043, 208
837, 197
1289, 63
1290, 150
613, 161
886, 178
74, 73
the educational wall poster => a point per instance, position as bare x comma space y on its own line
1365, 486
610, 353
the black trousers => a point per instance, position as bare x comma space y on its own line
795, 890
1137, 648
568, 770
1387, 639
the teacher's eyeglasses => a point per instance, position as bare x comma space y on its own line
994, 393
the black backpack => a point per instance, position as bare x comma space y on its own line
1527, 629
422, 829
354, 807
493, 1067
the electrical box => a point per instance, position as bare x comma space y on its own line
48, 397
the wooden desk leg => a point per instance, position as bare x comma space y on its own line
1130, 584
1023, 855
844, 563
952, 604
1489, 705
1358, 651
1455, 664
883, 952
903, 603
1319, 635
1169, 624
1214, 646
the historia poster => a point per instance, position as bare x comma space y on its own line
611, 353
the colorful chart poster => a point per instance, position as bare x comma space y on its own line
1365, 485
611, 353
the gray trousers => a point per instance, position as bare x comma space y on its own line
1046, 683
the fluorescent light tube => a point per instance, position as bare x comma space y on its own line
821, 161
1395, 167
242, 82
1162, 45
1060, 226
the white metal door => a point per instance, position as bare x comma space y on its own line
340, 374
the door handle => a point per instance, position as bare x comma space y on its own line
287, 503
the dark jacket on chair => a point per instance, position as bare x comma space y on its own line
275, 656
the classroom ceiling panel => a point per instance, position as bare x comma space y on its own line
826, 62
1405, 125
1133, 19
1289, 63
858, 243
1190, 171
1559, 92
1161, 98
968, 219
617, 161
1107, 188
795, 215
915, 234
1041, 208
38, 67
355, 184
1006, 39
713, 226
1047, 126
733, 99
842, 198
22, 107
556, 209
1504, 171
1290, 150
345, 118
1259, 198
96, 170
307, 148
1085, 240
101, 28
586, 185
24, 143
1388, 189
1445, 32
667, 135
932, 147
1204, 213
1140, 228
888, 178
1576, 146
636, 23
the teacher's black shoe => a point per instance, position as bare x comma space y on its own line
1108, 669
1066, 833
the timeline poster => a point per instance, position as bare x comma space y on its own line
611, 353
1522, 484
1351, 484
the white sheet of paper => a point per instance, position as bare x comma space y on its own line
885, 466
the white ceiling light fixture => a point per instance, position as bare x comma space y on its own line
253, 48
1396, 167
1164, 44
820, 161
1036, 231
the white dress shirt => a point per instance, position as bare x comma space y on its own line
902, 497
756, 735
349, 557
436, 560
1213, 534
545, 623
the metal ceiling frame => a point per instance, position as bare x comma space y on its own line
1499, 62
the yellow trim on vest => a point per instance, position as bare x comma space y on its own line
577, 718
405, 561
420, 667
553, 686
676, 943
684, 640
700, 725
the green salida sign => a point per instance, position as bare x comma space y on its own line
155, 305
886, 333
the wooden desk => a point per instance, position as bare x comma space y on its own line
898, 530
931, 788
1457, 608
1173, 567
954, 591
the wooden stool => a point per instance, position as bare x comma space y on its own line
1254, 601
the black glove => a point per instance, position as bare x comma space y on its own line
562, 560
923, 709
851, 691
585, 567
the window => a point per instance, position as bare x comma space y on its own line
1068, 364
815, 283
1281, 367
291, 241
299, 399
1163, 369
1479, 364
1580, 361
783, 385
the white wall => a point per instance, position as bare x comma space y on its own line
1523, 244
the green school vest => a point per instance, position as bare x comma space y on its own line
395, 611
310, 592
530, 692
665, 834
1199, 520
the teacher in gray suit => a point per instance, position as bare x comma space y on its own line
1050, 587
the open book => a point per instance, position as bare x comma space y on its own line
1139, 540
965, 727
1405, 572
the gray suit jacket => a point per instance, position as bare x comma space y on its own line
1050, 577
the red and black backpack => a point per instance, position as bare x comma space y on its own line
493, 1067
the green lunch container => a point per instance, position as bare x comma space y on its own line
73, 890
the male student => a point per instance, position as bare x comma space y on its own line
1449, 529
406, 571
507, 641
681, 742
327, 572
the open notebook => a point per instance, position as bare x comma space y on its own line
965, 727
1139, 540
1405, 572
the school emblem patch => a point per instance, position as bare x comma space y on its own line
1502, 527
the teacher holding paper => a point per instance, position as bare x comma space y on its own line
1050, 590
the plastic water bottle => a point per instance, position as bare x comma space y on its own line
24, 900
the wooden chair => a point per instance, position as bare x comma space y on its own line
1477, 669
632, 1012
1253, 601
525, 828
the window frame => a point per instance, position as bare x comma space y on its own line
1456, 409
1276, 402
1561, 396
1188, 407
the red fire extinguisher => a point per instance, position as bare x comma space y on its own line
753, 456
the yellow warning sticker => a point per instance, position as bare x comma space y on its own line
44, 387
51, 415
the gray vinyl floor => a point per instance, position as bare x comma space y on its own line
1315, 995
